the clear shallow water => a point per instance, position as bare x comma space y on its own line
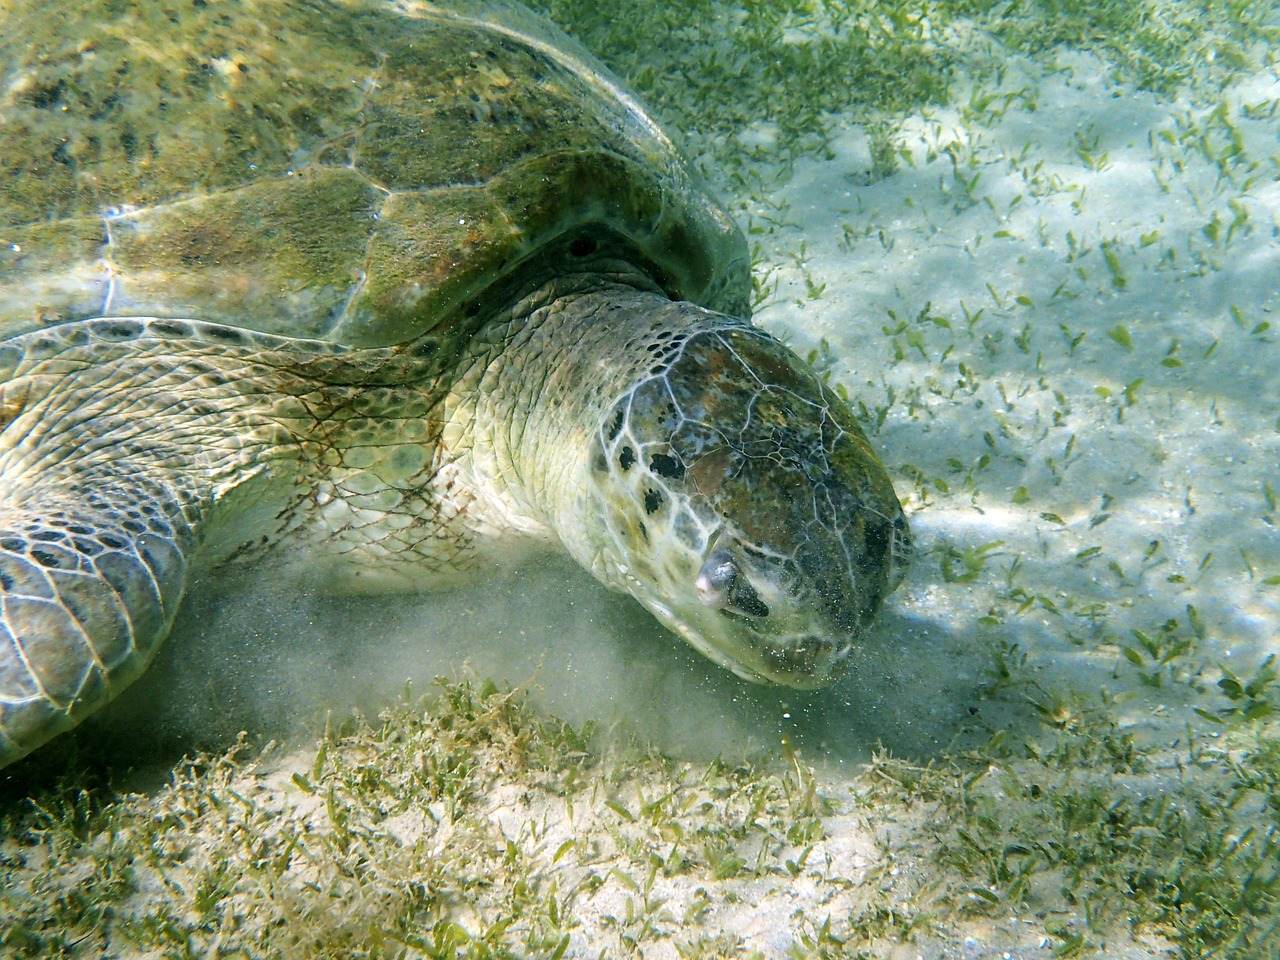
1106, 430
1060, 313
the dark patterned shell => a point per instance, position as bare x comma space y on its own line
356, 171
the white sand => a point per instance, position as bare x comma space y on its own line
1178, 471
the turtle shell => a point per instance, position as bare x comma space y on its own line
361, 172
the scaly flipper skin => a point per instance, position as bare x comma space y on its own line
92, 570
125, 441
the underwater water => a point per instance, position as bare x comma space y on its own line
1049, 279
1056, 306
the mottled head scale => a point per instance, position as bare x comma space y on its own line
767, 534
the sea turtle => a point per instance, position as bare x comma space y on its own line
404, 285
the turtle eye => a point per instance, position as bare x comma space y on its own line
716, 578
721, 584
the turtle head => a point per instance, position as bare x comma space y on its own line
745, 509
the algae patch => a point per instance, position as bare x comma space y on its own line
469, 825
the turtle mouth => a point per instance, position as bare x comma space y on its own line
748, 619
803, 660
807, 661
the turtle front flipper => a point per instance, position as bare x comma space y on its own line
131, 451
91, 573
